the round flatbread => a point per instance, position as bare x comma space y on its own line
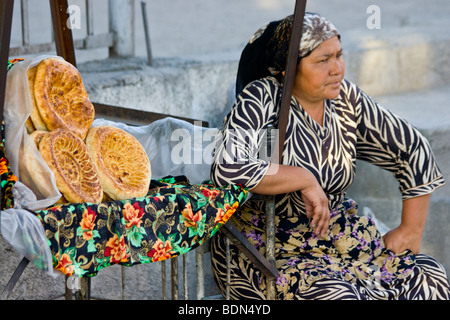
61, 97
121, 161
75, 172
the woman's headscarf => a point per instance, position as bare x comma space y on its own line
267, 51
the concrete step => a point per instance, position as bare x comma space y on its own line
426, 109
405, 59
198, 89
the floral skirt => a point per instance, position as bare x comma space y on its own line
350, 262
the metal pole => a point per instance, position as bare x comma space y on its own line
270, 221
25, 23
14, 278
90, 17
147, 33
122, 274
291, 70
228, 257
185, 276
270, 249
174, 277
163, 279
200, 273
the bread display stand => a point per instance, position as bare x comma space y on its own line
82, 238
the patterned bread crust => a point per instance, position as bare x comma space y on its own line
122, 163
61, 97
35, 116
75, 172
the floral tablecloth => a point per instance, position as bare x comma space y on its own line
174, 218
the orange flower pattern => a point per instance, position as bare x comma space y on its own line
161, 251
132, 214
191, 219
3, 166
7, 178
64, 264
88, 223
116, 249
224, 214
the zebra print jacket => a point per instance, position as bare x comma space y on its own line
355, 127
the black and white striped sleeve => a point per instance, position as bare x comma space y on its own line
236, 159
390, 142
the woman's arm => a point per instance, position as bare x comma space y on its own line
392, 143
236, 157
408, 234
283, 179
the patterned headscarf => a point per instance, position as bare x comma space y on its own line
267, 51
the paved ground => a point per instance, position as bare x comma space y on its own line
181, 28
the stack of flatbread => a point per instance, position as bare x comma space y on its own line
106, 164
60, 100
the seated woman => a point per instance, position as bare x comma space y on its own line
324, 250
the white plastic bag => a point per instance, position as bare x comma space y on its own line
24, 231
36, 188
25, 160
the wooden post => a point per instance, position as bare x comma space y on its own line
6, 12
62, 32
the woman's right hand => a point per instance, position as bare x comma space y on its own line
284, 179
316, 205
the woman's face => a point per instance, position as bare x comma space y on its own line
319, 75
